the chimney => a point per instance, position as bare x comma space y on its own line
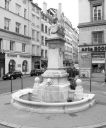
44, 7
59, 11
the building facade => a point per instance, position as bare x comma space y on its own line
45, 34
15, 38
35, 18
92, 37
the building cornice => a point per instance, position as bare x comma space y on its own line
15, 33
91, 24
14, 13
36, 5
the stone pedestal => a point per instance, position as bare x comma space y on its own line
55, 70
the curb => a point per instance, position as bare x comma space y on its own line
12, 125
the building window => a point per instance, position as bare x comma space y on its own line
98, 37
17, 27
37, 36
45, 29
1, 43
23, 47
97, 10
45, 41
24, 1
42, 27
33, 34
18, 9
12, 64
45, 53
25, 30
97, 13
25, 13
42, 40
6, 23
37, 10
33, 8
12, 45
33, 19
25, 66
7, 4
42, 53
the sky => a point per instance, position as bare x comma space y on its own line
69, 7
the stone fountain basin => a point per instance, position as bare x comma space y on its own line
43, 107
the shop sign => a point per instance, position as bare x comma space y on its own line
92, 48
85, 60
85, 55
25, 56
11, 55
19, 65
99, 57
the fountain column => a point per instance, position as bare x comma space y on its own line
55, 70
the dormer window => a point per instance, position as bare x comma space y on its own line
97, 13
97, 10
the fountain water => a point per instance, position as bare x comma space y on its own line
52, 94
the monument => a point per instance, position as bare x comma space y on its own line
52, 94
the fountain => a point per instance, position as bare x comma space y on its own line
51, 96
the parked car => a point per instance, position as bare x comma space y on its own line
12, 75
36, 72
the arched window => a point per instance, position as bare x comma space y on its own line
12, 64
25, 66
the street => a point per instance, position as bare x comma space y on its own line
99, 88
6, 86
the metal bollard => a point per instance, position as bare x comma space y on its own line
11, 85
21, 82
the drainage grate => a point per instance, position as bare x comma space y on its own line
7, 103
101, 103
48, 118
72, 114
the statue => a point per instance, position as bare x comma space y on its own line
57, 27
79, 90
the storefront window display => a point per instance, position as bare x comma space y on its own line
12, 65
25, 66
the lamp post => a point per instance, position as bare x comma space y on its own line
105, 68
90, 71
11, 85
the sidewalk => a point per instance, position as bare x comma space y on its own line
94, 117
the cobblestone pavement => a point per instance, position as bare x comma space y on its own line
94, 117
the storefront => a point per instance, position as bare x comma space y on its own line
21, 62
2, 64
44, 63
98, 62
92, 58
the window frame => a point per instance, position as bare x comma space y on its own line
7, 4
33, 34
23, 47
17, 28
96, 3
6, 23
97, 32
25, 30
25, 12
18, 8
12, 45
